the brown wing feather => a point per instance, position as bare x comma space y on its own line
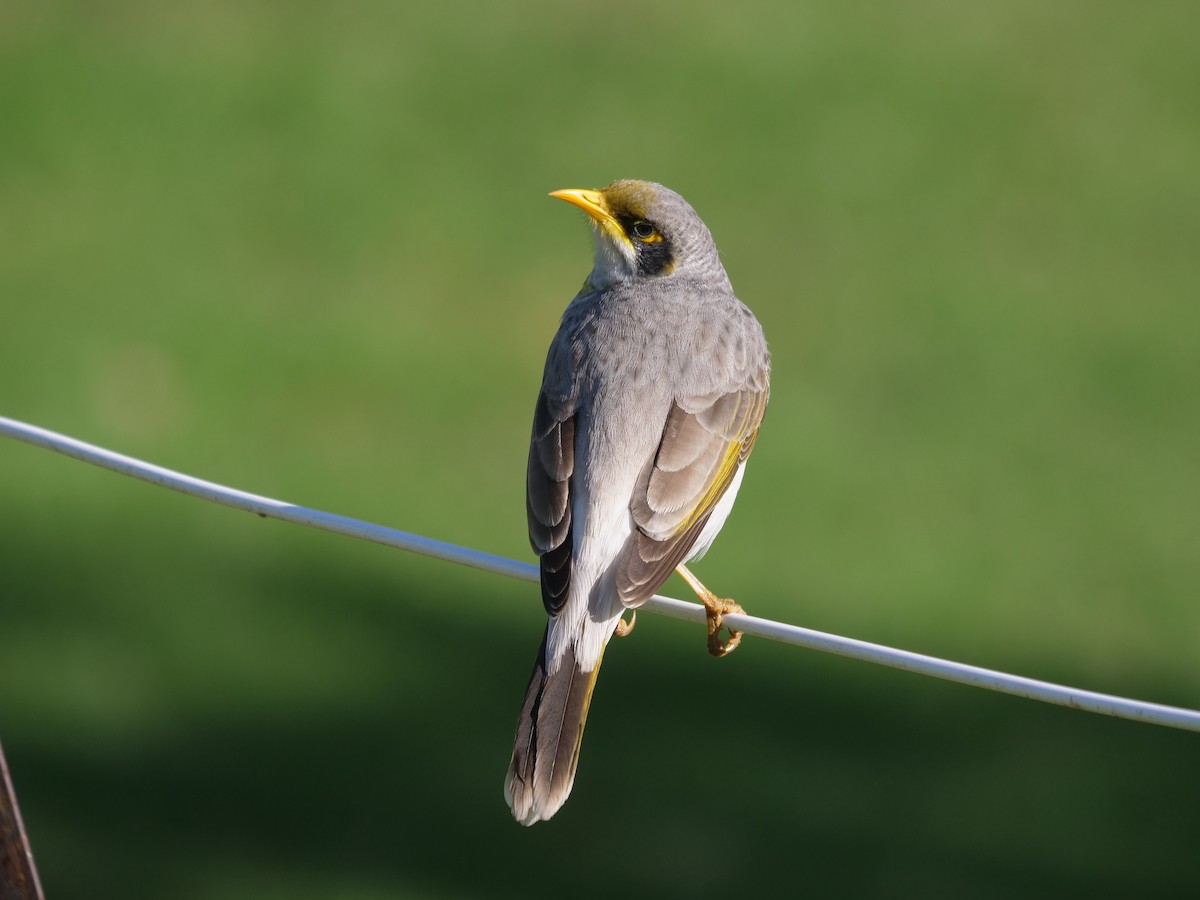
704, 442
548, 496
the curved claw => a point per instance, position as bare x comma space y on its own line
715, 613
715, 610
624, 629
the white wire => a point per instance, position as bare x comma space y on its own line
1106, 704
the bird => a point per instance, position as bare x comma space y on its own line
653, 392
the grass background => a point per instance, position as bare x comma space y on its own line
305, 249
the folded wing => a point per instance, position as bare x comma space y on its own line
704, 442
548, 496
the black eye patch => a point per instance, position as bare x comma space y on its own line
654, 253
655, 258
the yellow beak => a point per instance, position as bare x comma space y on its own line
591, 202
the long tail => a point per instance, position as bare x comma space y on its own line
549, 733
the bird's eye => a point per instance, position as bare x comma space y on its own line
643, 230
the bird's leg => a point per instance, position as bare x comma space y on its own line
715, 609
624, 629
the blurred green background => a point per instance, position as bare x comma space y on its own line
305, 249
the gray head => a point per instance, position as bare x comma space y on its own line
645, 231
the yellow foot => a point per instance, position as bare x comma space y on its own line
715, 610
624, 629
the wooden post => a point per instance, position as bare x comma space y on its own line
18, 874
